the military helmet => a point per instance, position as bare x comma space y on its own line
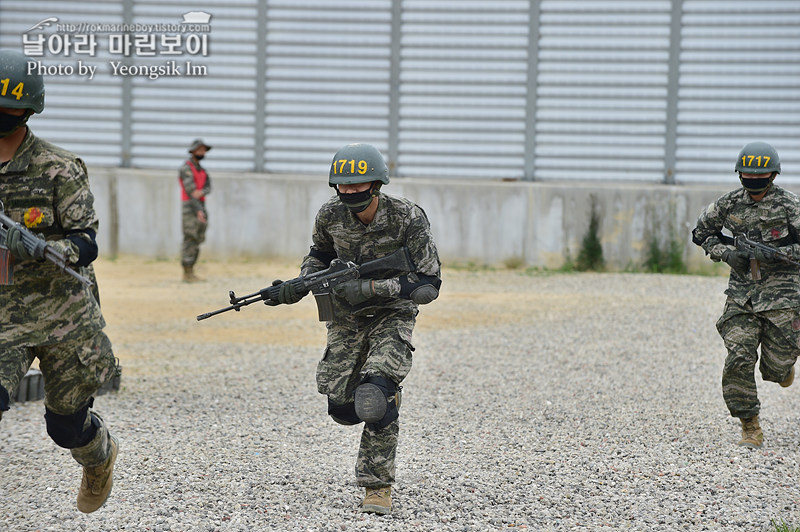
758, 158
23, 90
358, 163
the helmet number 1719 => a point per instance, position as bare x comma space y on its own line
342, 165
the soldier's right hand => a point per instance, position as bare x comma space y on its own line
356, 291
16, 246
736, 259
763, 255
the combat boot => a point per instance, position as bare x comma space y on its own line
189, 276
752, 436
378, 501
788, 380
97, 481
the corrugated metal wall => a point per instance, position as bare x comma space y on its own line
602, 90
327, 80
463, 87
656, 91
82, 115
740, 81
166, 114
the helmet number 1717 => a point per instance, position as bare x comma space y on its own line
747, 160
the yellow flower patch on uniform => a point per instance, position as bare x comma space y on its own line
33, 217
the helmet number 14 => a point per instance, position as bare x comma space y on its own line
16, 91
340, 165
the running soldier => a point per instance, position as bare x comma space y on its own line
369, 347
43, 312
195, 186
763, 311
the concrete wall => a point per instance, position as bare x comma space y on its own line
486, 222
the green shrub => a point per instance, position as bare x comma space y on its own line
590, 256
514, 263
665, 255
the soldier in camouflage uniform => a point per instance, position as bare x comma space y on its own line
45, 313
763, 312
369, 341
195, 186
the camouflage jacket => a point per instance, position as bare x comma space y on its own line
775, 221
46, 189
187, 182
398, 222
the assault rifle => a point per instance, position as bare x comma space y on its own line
742, 243
322, 283
749, 246
38, 247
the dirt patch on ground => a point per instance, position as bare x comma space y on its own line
151, 313
146, 300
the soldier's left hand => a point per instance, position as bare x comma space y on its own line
290, 292
764, 255
16, 246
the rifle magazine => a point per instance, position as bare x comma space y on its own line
6, 267
324, 306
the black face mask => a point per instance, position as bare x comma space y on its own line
755, 185
199, 157
357, 201
10, 123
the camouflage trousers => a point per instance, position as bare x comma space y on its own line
742, 329
73, 371
378, 346
194, 234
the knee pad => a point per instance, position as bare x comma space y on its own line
343, 414
376, 401
67, 431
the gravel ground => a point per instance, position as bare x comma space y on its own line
538, 402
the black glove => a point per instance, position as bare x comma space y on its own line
17, 248
290, 292
736, 259
356, 291
762, 255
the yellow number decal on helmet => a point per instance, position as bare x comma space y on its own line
341, 166
748, 160
16, 91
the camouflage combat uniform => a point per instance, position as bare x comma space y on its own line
45, 313
194, 231
373, 338
765, 312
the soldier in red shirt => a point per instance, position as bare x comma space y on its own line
195, 186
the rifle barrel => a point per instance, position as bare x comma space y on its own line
209, 314
241, 302
215, 312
